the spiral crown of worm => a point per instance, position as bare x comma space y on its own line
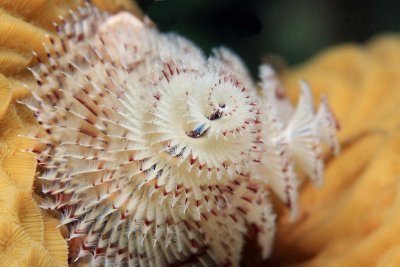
157, 155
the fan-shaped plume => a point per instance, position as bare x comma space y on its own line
150, 149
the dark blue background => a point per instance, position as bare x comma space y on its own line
261, 29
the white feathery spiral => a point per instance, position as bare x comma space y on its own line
157, 155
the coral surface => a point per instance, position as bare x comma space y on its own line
353, 220
157, 155
28, 236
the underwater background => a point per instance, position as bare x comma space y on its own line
278, 31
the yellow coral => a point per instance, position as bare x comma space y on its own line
353, 220
28, 236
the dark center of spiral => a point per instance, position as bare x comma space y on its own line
217, 113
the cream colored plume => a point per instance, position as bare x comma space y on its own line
157, 155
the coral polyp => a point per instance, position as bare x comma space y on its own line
157, 155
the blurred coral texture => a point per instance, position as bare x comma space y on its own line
353, 220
